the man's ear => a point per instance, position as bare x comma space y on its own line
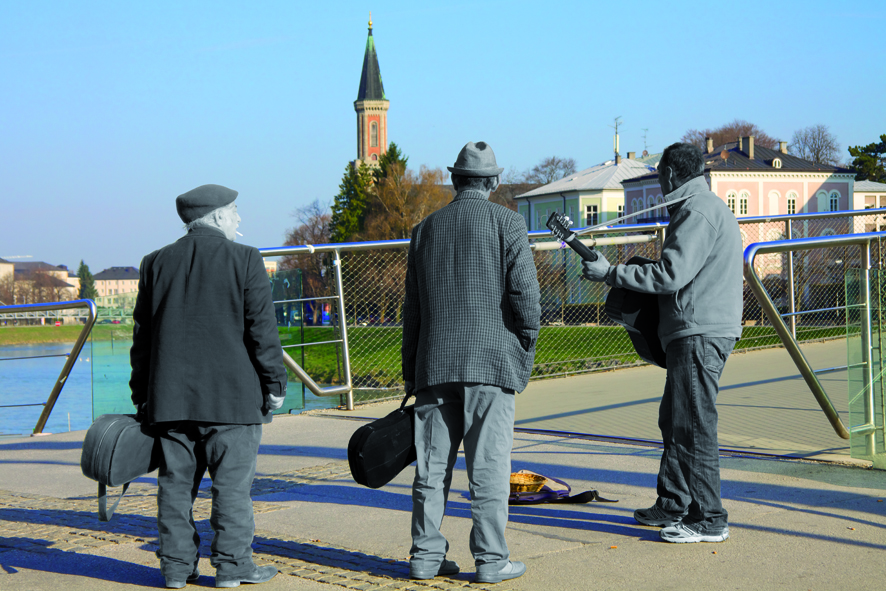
495, 183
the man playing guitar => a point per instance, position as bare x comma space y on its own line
698, 281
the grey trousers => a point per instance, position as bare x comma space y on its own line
229, 453
483, 417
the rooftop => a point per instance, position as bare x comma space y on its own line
734, 156
117, 273
371, 88
607, 175
870, 186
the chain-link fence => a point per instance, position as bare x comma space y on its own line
576, 334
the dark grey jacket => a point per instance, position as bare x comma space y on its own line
472, 301
205, 345
699, 276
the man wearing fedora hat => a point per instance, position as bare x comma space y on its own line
470, 323
207, 370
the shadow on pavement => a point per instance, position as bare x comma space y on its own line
33, 554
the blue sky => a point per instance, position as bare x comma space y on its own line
111, 109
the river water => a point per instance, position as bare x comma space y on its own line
97, 385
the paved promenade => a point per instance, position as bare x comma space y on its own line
795, 524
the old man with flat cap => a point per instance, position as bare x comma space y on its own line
207, 372
470, 323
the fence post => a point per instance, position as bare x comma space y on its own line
789, 229
867, 358
343, 325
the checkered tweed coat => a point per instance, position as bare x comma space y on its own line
472, 301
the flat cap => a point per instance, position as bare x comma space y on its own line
198, 202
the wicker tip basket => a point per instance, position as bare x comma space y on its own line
521, 482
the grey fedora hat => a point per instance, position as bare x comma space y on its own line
476, 160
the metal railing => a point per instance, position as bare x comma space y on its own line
290, 363
337, 248
89, 305
868, 428
371, 294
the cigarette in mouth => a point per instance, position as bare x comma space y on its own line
238, 233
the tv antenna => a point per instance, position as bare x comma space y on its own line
645, 146
615, 141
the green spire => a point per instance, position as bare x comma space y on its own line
371, 88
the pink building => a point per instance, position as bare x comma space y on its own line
756, 181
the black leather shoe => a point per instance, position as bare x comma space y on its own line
512, 570
447, 568
192, 578
261, 574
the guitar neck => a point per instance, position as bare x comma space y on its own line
583, 251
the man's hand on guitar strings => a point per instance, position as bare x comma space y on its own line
595, 270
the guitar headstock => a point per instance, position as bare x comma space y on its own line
558, 224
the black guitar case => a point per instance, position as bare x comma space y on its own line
380, 450
638, 313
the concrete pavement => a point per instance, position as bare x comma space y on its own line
794, 524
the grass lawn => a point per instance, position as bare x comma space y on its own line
27, 335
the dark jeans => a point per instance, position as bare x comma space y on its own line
229, 453
689, 476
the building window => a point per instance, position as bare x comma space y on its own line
792, 205
835, 201
730, 201
776, 163
374, 157
373, 135
591, 215
743, 203
620, 213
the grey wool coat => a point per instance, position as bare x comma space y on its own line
205, 345
472, 310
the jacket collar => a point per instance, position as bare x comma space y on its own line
471, 194
687, 190
206, 231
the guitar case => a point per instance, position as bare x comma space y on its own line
638, 313
117, 450
380, 450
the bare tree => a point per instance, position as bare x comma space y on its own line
7, 289
550, 170
313, 228
402, 200
729, 132
817, 144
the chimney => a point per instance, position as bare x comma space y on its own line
709, 145
747, 146
783, 147
618, 159
631, 155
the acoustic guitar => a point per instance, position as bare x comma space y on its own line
637, 312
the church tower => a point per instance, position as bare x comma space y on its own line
372, 109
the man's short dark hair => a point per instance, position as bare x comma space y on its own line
686, 160
476, 183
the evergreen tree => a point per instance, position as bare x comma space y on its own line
869, 161
87, 283
349, 207
388, 159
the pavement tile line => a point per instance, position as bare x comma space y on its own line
44, 524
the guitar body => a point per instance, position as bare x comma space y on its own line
638, 313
